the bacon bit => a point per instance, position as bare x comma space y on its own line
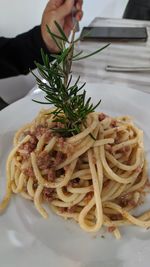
75, 182
106, 183
138, 169
61, 142
29, 146
51, 175
48, 194
72, 209
94, 160
132, 203
57, 125
65, 147
88, 197
53, 125
102, 116
116, 217
29, 172
125, 149
109, 148
138, 179
44, 160
48, 136
33, 140
126, 200
60, 157
40, 130
113, 123
111, 229
148, 183
60, 125
24, 156
62, 210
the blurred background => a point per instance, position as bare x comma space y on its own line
17, 16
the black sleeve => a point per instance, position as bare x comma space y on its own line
17, 55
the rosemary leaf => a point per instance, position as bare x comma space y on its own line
71, 105
91, 54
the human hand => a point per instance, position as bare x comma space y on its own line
60, 11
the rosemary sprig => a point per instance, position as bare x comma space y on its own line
69, 98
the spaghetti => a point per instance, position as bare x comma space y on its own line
96, 177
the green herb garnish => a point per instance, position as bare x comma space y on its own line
69, 99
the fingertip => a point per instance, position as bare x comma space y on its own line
79, 15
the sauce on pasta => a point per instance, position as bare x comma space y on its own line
96, 177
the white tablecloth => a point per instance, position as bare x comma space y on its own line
122, 53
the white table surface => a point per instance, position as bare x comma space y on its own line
122, 53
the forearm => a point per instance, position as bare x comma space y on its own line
17, 55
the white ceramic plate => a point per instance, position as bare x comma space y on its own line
26, 239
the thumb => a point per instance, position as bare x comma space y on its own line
65, 9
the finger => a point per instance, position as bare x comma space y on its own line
55, 3
67, 31
79, 4
66, 8
68, 25
69, 21
79, 15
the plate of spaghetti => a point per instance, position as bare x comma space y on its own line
74, 161
79, 200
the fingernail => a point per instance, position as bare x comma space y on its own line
79, 15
